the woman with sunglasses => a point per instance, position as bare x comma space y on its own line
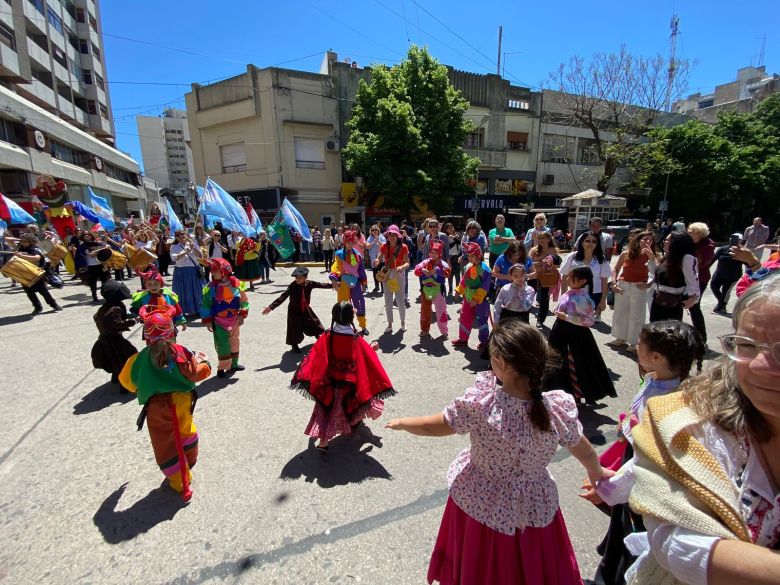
707, 470
540, 227
188, 279
589, 253
675, 282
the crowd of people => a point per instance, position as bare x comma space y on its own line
691, 484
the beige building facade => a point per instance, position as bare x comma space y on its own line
269, 134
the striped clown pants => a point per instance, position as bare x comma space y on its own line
474, 318
159, 421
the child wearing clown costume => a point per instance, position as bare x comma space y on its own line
223, 309
474, 287
164, 375
433, 272
156, 294
348, 277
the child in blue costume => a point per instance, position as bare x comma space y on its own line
474, 287
349, 279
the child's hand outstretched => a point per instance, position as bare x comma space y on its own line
395, 425
590, 494
267, 310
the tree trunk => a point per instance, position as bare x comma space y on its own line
610, 167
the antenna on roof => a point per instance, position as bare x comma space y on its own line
674, 31
761, 53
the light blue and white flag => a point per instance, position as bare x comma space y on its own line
293, 219
216, 202
102, 209
173, 220
13, 212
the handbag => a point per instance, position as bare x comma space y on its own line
381, 276
666, 299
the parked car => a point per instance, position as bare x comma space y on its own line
620, 228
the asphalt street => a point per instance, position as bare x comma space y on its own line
82, 500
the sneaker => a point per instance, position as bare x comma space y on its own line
221, 374
460, 342
238, 368
389, 329
403, 326
36, 311
364, 332
444, 337
539, 324
57, 308
616, 343
424, 334
597, 319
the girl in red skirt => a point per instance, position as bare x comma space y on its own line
502, 524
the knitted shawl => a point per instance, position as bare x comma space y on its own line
678, 481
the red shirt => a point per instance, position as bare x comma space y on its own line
394, 257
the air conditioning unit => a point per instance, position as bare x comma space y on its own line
332, 145
548, 180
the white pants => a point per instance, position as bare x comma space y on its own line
400, 297
630, 312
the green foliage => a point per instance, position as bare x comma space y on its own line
407, 128
723, 174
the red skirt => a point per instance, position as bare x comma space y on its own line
469, 553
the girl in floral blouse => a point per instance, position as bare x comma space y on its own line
583, 371
502, 523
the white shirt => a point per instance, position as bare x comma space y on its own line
217, 251
600, 270
186, 260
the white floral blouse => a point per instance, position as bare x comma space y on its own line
501, 480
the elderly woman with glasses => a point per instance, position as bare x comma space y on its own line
707, 470
188, 280
540, 227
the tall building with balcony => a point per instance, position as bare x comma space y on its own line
55, 107
165, 148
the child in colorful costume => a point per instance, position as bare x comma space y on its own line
156, 294
474, 287
349, 279
223, 310
248, 261
111, 350
343, 374
164, 375
301, 319
433, 272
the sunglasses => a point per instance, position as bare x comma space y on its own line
589, 242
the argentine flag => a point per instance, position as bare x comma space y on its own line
102, 209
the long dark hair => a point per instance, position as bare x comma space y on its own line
680, 244
584, 273
516, 247
679, 343
598, 251
526, 351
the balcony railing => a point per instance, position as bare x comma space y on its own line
491, 157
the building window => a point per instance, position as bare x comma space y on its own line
92, 107
309, 153
119, 174
43, 76
474, 139
55, 21
69, 154
517, 140
706, 103
233, 157
73, 40
75, 69
70, 8
81, 15
59, 55
7, 37
93, 22
38, 5
12, 132
95, 52
83, 47
64, 91
103, 111
99, 82
587, 153
518, 104
558, 148
86, 75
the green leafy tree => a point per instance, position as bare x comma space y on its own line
407, 128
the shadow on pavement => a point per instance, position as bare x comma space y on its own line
215, 384
602, 327
159, 505
102, 397
345, 462
10, 320
476, 362
289, 362
432, 346
391, 342
592, 421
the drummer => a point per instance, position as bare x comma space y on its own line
96, 272
29, 251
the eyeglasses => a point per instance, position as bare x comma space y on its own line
744, 349
589, 242
538, 219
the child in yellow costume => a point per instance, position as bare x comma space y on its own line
348, 276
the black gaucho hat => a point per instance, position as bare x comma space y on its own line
300, 271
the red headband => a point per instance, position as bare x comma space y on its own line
158, 323
349, 237
472, 249
222, 265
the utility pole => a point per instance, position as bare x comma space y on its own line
674, 27
500, 34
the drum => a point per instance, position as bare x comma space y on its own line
24, 272
103, 255
58, 254
45, 246
118, 260
140, 258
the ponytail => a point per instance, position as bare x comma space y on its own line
539, 416
160, 353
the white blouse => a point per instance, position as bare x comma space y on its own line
185, 260
600, 270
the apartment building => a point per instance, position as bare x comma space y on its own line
166, 149
750, 88
55, 107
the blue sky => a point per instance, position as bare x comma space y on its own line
154, 50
